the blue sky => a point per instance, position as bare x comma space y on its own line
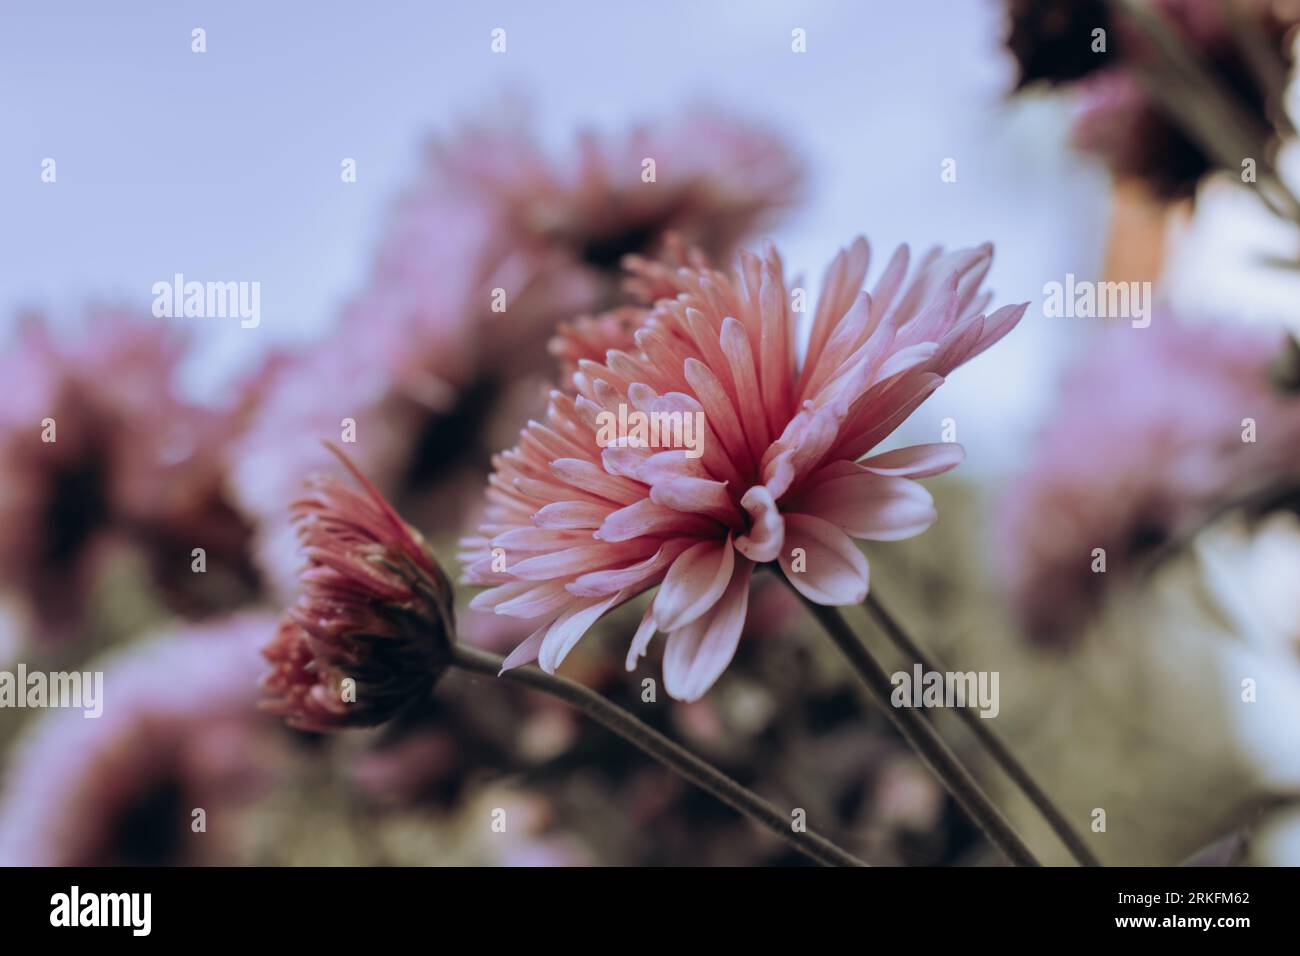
225, 164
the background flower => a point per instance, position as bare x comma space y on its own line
1149, 439
178, 733
99, 453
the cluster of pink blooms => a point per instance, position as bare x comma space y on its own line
574, 528
1156, 430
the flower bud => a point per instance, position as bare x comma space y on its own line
373, 628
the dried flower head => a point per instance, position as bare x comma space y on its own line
708, 177
373, 627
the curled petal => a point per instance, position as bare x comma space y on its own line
767, 531
572, 515
539, 601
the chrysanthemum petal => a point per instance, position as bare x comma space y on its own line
647, 518
767, 528
568, 628
572, 515
697, 654
527, 650
645, 632
694, 583
822, 562
870, 506
916, 461
609, 580
697, 496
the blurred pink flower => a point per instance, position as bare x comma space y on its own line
443, 355
1144, 445
578, 524
178, 733
98, 450
375, 609
710, 179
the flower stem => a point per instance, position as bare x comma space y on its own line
921, 736
991, 742
656, 745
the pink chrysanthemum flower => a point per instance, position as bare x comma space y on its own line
577, 524
1148, 441
178, 732
375, 610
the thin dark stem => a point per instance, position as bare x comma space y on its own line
922, 737
656, 745
991, 742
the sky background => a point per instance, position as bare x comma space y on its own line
225, 165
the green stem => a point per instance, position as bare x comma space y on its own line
656, 745
991, 742
921, 736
